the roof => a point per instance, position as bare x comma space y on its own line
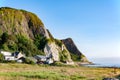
40, 57
15, 53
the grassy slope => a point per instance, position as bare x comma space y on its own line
35, 72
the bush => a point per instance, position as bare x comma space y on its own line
28, 47
4, 47
57, 64
58, 42
4, 37
75, 57
1, 57
63, 56
40, 41
11, 61
28, 61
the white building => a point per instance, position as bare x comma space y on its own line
43, 59
49, 61
7, 55
12, 56
40, 58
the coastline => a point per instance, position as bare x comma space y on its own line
95, 65
105, 62
99, 66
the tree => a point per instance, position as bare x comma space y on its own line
4, 37
40, 41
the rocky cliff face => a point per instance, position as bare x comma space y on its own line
52, 51
57, 53
70, 45
21, 22
21, 30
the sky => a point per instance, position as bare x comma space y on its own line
94, 25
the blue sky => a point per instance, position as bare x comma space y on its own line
94, 25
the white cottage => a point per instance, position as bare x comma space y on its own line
17, 56
7, 55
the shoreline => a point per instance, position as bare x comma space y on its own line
90, 64
99, 66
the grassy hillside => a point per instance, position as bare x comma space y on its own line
45, 72
23, 31
18, 31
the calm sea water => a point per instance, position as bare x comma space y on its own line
106, 62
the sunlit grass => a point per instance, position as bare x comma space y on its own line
45, 72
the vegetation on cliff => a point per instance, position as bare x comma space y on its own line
23, 31
76, 55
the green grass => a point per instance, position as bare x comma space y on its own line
42, 75
17, 71
37, 74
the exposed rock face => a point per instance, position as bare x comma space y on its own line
70, 45
51, 50
25, 32
21, 22
50, 35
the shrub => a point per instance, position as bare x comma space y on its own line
58, 42
4, 47
28, 47
4, 37
63, 56
58, 64
40, 41
1, 57
11, 61
75, 57
28, 61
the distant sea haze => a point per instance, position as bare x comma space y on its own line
106, 62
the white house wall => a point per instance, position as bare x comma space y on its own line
5, 53
9, 58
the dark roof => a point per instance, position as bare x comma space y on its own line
40, 57
15, 53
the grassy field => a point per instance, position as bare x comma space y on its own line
44, 72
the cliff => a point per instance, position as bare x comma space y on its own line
74, 51
23, 31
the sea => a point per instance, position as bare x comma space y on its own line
105, 62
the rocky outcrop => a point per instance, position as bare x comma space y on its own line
70, 45
57, 53
52, 50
